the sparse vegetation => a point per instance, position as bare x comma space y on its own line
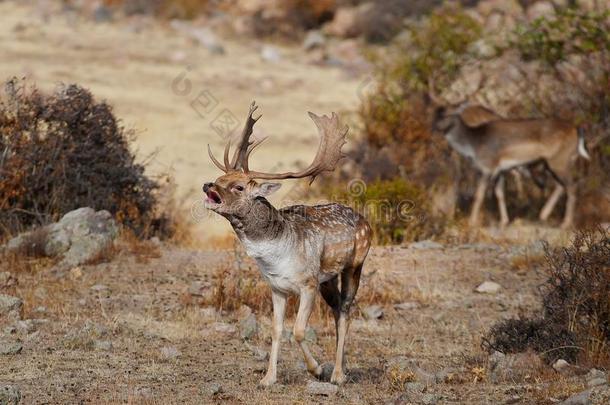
66, 151
575, 323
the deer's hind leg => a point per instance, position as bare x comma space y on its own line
350, 280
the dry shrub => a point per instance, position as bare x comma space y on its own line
575, 323
65, 151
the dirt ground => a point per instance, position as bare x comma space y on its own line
134, 330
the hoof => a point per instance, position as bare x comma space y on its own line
267, 382
338, 379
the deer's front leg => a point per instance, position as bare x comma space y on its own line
279, 308
306, 302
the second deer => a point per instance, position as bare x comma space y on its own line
496, 145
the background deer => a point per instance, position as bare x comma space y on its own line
299, 249
496, 145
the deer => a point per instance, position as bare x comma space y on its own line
299, 249
496, 145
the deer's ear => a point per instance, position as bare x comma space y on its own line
266, 189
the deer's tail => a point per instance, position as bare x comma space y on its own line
582, 147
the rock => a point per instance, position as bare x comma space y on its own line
7, 280
198, 288
311, 335
27, 326
100, 288
248, 327
582, 398
513, 367
104, 345
425, 244
597, 382
170, 352
208, 313
349, 22
321, 388
488, 287
561, 366
314, 39
215, 389
10, 307
259, 354
80, 236
7, 348
483, 49
595, 374
102, 14
9, 395
225, 328
406, 306
270, 54
373, 312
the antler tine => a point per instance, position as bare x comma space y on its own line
226, 155
332, 138
215, 161
251, 148
239, 160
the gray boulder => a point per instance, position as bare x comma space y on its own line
80, 236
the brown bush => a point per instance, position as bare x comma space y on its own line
65, 151
575, 322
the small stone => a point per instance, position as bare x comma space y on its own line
561, 366
270, 54
594, 374
259, 354
27, 326
406, 306
311, 335
76, 273
373, 312
99, 288
10, 306
488, 287
215, 389
7, 348
197, 288
170, 352
314, 39
9, 395
208, 313
225, 328
321, 388
103, 345
248, 327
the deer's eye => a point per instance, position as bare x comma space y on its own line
239, 188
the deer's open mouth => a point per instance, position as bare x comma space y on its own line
213, 197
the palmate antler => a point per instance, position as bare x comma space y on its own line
332, 139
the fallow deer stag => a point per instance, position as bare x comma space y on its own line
496, 145
298, 249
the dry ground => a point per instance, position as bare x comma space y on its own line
139, 302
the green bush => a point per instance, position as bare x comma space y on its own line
397, 209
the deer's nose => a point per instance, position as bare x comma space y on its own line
207, 186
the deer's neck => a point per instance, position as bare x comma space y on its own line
261, 222
459, 138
